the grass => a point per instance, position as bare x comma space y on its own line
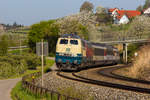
18, 92
17, 51
73, 92
23, 94
49, 63
119, 27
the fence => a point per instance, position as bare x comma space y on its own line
29, 84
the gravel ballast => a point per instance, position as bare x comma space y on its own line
54, 82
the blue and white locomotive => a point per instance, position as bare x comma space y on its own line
73, 53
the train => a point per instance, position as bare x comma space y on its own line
74, 53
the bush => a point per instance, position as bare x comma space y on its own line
132, 48
141, 66
3, 45
32, 61
13, 65
7, 70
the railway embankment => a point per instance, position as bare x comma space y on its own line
88, 91
140, 68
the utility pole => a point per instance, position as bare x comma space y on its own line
20, 45
42, 50
126, 53
42, 63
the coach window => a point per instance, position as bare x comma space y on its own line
75, 42
63, 41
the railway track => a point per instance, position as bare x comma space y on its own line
107, 72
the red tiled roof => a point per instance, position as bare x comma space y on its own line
129, 13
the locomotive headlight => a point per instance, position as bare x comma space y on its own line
73, 55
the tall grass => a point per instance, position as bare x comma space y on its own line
19, 93
141, 65
75, 93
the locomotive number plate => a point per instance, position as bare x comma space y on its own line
67, 49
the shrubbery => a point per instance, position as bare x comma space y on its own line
132, 48
3, 45
32, 61
141, 66
12, 65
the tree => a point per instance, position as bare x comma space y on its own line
15, 24
70, 26
139, 8
139, 27
147, 4
47, 30
100, 10
86, 6
102, 15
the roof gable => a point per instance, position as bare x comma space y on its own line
112, 9
147, 11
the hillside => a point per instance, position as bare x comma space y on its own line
99, 31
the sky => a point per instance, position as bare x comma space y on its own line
28, 12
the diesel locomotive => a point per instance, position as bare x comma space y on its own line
73, 53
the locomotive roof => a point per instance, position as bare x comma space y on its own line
70, 36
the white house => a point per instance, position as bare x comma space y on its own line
124, 20
147, 11
123, 16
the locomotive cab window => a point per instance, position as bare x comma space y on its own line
75, 42
63, 41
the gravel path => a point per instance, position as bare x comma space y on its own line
5, 88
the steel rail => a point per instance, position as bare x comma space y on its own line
111, 74
102, 83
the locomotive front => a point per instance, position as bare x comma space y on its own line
68, 52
